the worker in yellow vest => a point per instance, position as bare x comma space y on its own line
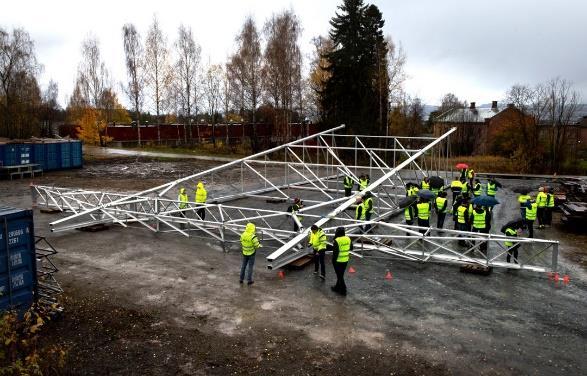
522, 200
530, 213
410, 214
348, 183
440, 205
201, 197
249, 245
183, 203
480, 218
549, 206
425, 183
423, 209
541, 201
456, 187
512, 251
491, 188
363, 182
361, 212
341, 248
317, 240
477, 188
463, 218
470, 176
368, 206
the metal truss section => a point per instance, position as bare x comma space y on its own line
47, 286
311, 168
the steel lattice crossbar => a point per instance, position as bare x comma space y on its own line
312, 168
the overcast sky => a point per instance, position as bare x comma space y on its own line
475, 49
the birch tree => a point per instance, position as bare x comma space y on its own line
187, 65
158, 73
134, 57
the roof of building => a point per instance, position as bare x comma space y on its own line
468, 115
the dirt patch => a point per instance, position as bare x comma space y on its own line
103, 337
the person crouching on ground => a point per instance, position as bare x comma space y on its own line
250, 244
341, 247
319, 243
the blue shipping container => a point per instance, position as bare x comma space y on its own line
10, 153
18, 268
65, 154
40, 155
24, 154
52, 154
76, 154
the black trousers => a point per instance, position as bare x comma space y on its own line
541, 216
319, 261
513, 251
367, 228
530, 226
548, 216
201, 213
339, 269
423, 223
440, 219
347, 192
483, 246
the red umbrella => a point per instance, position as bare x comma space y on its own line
462, 166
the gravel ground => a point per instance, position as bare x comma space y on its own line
144, 303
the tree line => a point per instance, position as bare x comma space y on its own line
353, 74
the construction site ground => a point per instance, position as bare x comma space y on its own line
143, 303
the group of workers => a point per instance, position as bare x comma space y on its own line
200, 197
341, 247
476, 218
466, 217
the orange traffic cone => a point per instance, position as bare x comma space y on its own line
281, 274
556, 277
388, 276
566, 279
352, 270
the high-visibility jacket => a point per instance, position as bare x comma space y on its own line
531, 212
318, 240
409, 213
363, 183
456, 185
477, 190
441, 204
541, 199
368, 204
462, 214
510, 232
523, 198
465, 187
423, 210
360, 212
201, 194
479, 219
344, 247
348, 182
183, 200
249, 241
470, 173
491, 189
550, 200
413, 191
425, 185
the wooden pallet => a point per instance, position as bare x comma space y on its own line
476, 269
300, 263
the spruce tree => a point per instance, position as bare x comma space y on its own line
356, 93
